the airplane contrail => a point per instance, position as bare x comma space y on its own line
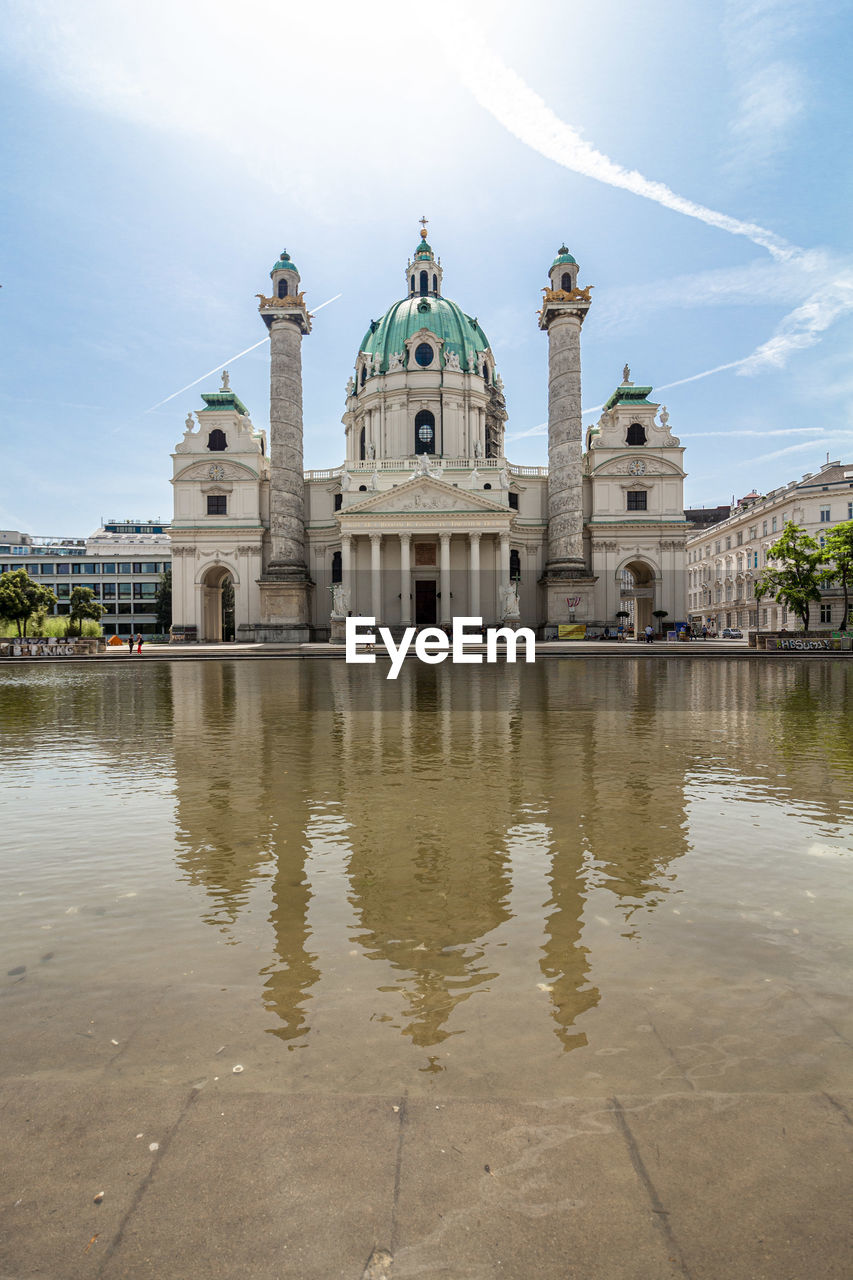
505, 95
230, 360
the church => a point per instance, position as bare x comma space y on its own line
426, 519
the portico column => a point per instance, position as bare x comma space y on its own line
474, 575
504, 559
346, 565
444, 579
376, 576
405, 579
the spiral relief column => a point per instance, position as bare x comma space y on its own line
285, 582
567, 578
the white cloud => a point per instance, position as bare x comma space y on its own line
769, 88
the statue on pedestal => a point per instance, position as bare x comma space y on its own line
510, 602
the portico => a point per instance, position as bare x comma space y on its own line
424, 551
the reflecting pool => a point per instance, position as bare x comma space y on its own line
575, 877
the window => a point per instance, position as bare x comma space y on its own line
728, 543
637, 499
339, 498
63, 590
216, 441
826, 613
566, 281
124, 590
513, 501
424, 354
717, 546
124, 566
425, 431
362, 444
217, 504
764, 529
740, 537
282, 288
337, 567
63, 568
636, 434
514, 564
824, 515
435, 284
773, 525
424, 284
363, 374
753, 532
109, 590
144, 590
413, 284
850, 510
108, 568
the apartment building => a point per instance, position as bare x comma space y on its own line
725, 560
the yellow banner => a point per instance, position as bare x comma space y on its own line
574, 631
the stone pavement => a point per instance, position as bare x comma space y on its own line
263, 1185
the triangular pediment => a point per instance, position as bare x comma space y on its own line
423, 493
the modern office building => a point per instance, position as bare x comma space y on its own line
121, 562
725, 560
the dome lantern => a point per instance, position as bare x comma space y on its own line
423, 272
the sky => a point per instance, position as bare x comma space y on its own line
156, 159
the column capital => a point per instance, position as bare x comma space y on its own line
444, 538
504, 535
475, 535
346, 537
375, 538
405, 535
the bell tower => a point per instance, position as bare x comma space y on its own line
284, 582
567, 579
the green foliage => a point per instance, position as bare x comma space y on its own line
163, 604
21, 597
83, 606
46, 627
838, 551
795, 576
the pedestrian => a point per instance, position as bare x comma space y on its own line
130, 645
139, 642
704, 632
650, 635
606, 633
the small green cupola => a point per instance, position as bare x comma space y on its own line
564, 271
285, 277
423, 273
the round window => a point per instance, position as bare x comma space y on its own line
425, 432
424, 354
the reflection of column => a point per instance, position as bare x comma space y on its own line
346, 565
444, 579
376, 575
405, 579
474, 576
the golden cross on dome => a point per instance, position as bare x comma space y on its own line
423, 227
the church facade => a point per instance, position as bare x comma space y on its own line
426, 518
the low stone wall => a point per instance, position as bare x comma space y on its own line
800, 641
35, 647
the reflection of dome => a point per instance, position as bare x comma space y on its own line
442, 317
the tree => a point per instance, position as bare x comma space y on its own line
838, 551
83, 605
163, 603
21, 597
795, 577
660, 614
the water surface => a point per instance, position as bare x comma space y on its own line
576, 877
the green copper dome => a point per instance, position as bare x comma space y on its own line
563, 257
442, 317
284, 263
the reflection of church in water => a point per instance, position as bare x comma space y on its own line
426, 518
411, 793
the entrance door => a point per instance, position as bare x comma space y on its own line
425, 593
